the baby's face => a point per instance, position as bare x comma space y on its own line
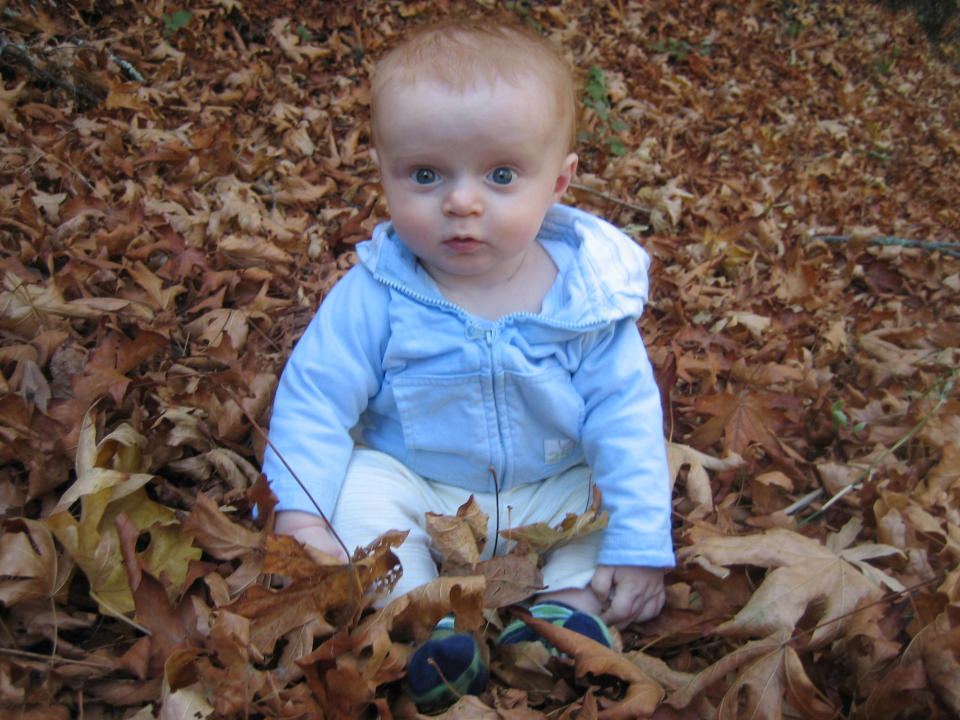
469, 175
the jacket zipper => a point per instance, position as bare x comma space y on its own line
489, 337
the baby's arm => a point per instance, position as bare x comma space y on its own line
628, 593
334, 370
623, 442
310, 529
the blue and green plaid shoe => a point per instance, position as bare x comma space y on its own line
559, 614
446, 667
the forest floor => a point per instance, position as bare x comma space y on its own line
180, 185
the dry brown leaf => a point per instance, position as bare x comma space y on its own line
593, 658
762, 685
30, 567
459, 539
217, 534
807, 577
698, 487
510, 579
540, 537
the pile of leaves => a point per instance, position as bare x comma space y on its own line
180, 185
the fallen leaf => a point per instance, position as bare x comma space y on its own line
540, 537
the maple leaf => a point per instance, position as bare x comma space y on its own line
346, 670
739, 420
593, 658
188, 702
105, 493
169, 626
459, 539
416, 613
218, 534
807, 577
509, 579
769, 671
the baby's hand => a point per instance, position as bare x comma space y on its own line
310, 529
628, 593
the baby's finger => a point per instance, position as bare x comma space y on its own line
650, 606
623, 607
602, 583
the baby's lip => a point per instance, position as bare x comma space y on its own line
462, 243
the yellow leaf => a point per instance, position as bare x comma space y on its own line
104, 493
92, 476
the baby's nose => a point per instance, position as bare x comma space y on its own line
463, 199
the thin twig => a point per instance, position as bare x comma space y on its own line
860, 608
303, 487
443, 678
941, 401
803, 502
125, 67
611, 198
19, 54
947, 248
41, 657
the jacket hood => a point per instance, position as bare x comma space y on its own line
602, 273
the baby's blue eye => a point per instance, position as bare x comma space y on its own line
502, 176
424, 176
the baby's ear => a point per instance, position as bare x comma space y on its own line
565, 177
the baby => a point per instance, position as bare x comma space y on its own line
486, 344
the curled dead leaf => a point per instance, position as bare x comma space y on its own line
540, 537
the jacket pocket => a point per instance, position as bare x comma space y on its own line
443, 414
546, 417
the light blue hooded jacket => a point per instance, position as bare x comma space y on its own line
452, 396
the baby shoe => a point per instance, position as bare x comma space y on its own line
559, 614
457, 669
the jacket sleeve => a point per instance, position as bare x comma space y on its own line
325, 386
624, 445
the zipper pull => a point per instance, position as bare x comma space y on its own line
489, 336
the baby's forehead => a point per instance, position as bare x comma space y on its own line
465, 77
488, 83
466, 59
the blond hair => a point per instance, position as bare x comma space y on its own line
461, 54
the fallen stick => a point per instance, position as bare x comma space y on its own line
947, 248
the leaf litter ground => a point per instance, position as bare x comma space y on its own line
182, 184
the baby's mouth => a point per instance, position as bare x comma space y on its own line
462, 243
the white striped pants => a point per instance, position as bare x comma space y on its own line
380, 494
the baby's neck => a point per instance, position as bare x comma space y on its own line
520, 292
